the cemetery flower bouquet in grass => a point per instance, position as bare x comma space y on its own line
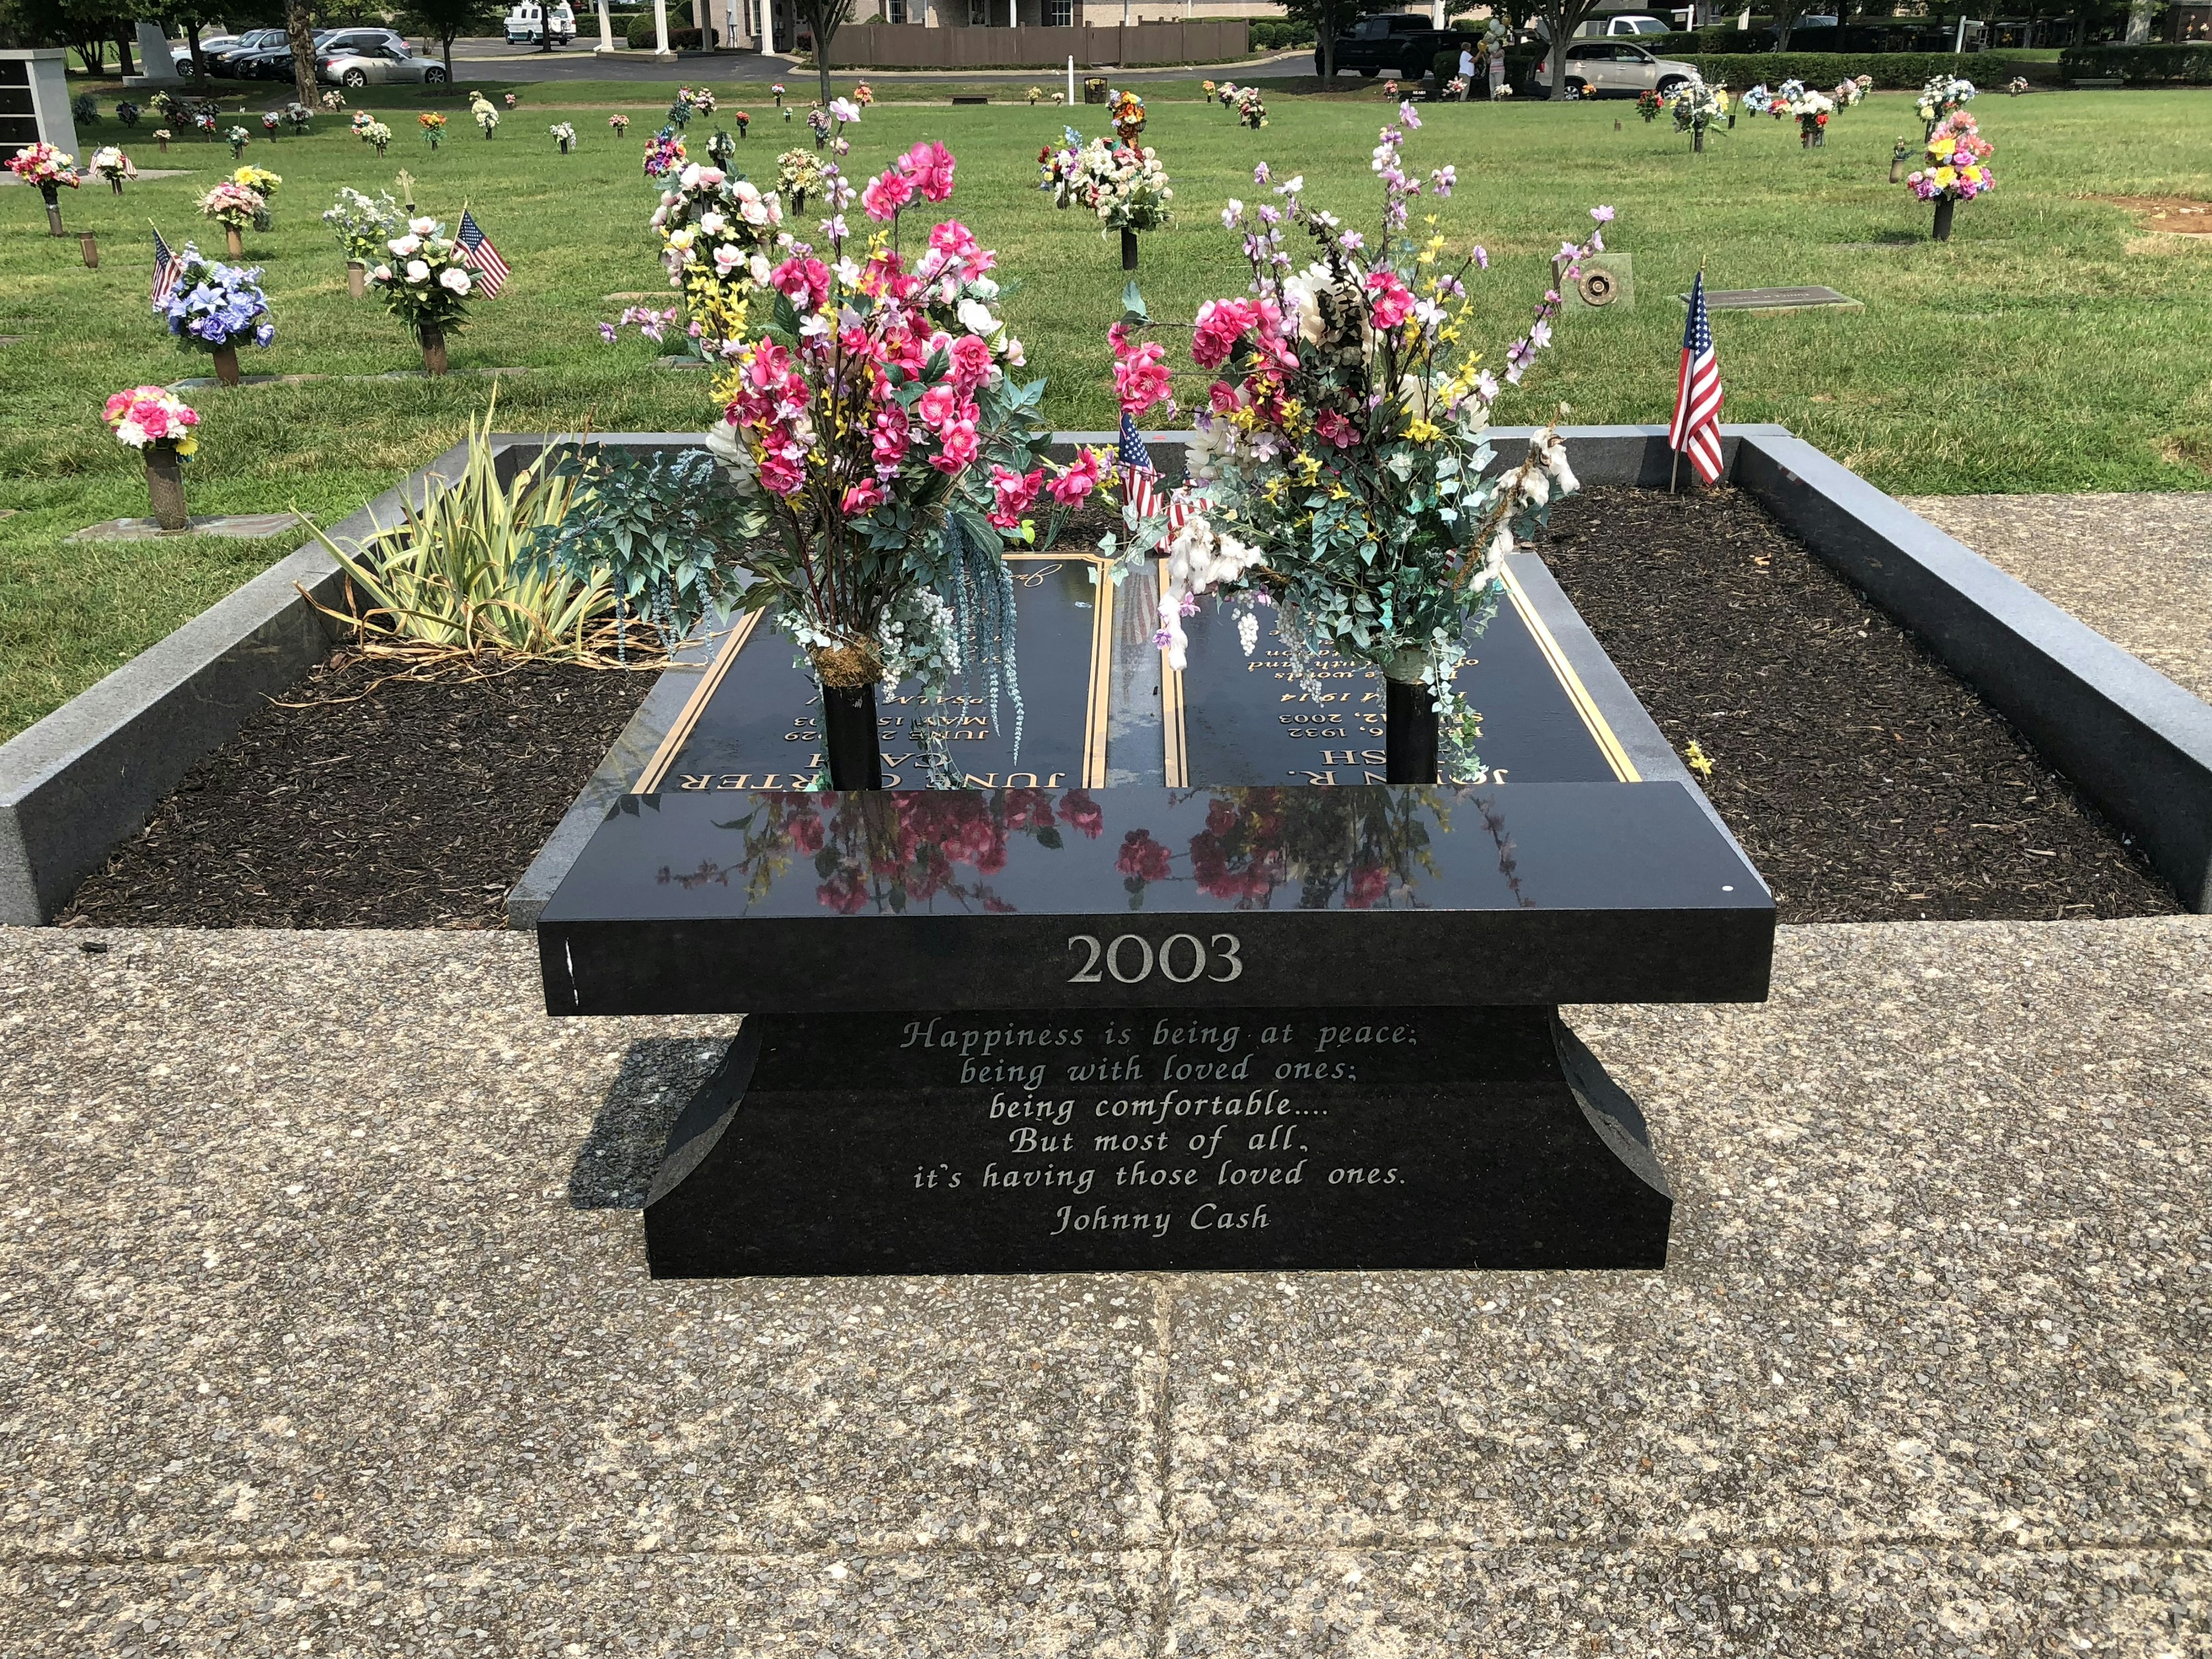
799, 175
270, 121
235, 207
258, 179
1251, 111
151, 417
1812, 110
364, 224
374, 133
717, 230
1127, 187
1851, 91
882, 450
1338, 470
620, 123
1758, 101
111, 164
46, 169
127, 111
216, 308
1649, 103
1955, 169
1698, 108
564, 135
425, 283
1127, 112
159, 425
1943, 95
237, 138
663, 153
433, 127
299, 118
333, 100
482, 112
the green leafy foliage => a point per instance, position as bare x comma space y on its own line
654, 527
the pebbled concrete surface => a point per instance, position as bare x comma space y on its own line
324, 1328
2136, 568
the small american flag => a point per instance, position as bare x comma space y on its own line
167, 267
1141, 482
479, 254
1696, 430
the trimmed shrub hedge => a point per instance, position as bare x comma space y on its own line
641, 33
2149, 65
1893, 72
1273, 35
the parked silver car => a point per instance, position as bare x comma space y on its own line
1597, 69
375, 65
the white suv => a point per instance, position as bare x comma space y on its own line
1597, 68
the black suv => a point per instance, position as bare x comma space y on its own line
1404, 43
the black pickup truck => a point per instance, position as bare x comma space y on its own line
1403, 43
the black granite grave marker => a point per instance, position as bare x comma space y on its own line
1233, 719
755, 722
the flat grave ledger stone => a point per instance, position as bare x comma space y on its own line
1810, 298
754, 723
1268, 1015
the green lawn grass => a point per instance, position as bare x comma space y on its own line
2051, 345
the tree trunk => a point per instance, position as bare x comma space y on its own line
447, 46
123, 55
300, 34
1943, 210
850, 738
226, 365
1409, 732
433, 349
165, 487
822, 62
199, 57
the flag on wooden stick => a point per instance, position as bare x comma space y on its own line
1696, 429
167, 267
481, 257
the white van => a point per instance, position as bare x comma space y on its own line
528, 23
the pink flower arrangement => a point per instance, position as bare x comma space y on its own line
148, 415
878, 406
48, 168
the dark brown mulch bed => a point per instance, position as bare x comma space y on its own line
1866, 782
418, 804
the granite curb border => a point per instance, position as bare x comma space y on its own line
84, 779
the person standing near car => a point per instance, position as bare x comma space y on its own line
1466, 70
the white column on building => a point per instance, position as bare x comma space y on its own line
606, 31
660, 51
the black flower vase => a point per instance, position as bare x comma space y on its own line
1129, 250
849, 739
1943, 218
1409, 731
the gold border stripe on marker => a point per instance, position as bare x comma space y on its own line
1585, 705
1097, 710
656, 771
1176, 748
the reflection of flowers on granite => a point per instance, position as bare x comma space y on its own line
1353, 848
889, 852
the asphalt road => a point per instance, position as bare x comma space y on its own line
496, 60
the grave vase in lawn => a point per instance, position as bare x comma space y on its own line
89, 246
165, 487
433, 348
234, 242
1944, 209
357, 278
226, 365
53, 211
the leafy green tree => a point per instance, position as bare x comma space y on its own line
447, 21
1560, 18
824, 18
